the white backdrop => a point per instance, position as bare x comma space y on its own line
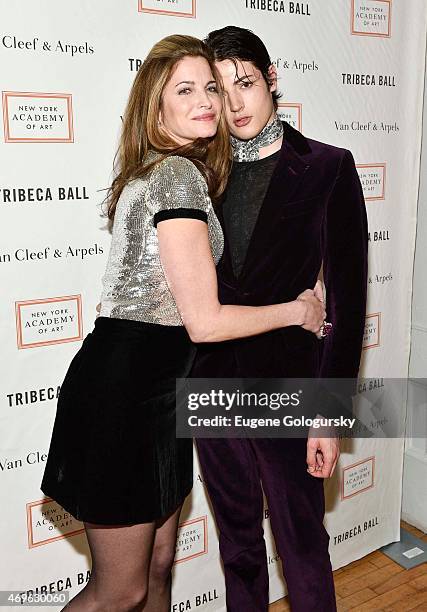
351, 72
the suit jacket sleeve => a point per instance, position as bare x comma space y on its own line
345, 263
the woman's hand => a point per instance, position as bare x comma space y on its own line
189, 268
315, 312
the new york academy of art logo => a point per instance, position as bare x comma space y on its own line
357, 477
49, 321
371, 18
37, 117
372, 178
192, 539
292, 113
48, 522
372, 333
176, 8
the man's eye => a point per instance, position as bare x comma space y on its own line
184, 91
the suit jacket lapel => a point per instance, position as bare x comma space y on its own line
224, 266
283, 187
286, 178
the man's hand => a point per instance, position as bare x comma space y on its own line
322, 452
315, 312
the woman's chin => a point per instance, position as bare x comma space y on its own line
207, 132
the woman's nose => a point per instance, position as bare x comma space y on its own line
205, 100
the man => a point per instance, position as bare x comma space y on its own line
292, 204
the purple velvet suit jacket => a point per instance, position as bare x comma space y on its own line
313, 214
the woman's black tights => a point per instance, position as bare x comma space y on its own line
131, 568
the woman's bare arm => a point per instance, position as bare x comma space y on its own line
190, 272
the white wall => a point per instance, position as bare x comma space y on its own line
414, 503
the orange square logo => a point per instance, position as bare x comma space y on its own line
192, 539
371, 18
177, 8
372, 334
357, 477
292, 113
49, 321
37, 117
48, 522
372, 177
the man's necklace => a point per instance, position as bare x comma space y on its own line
248, 150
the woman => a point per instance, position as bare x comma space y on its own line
114, 460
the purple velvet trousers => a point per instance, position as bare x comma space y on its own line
233, 471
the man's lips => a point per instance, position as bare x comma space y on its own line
205, 117
242, 121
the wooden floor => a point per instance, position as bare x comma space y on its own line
377, 584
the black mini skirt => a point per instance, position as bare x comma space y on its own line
114, 458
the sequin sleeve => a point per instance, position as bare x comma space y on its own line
134, 283
178, 189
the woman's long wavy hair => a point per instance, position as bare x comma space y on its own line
141, 132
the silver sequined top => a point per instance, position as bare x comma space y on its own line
134, 284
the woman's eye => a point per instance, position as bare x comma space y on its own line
184, 91
213, 88
245, 84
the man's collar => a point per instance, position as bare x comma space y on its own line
295, 139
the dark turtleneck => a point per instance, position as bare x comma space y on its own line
245, 194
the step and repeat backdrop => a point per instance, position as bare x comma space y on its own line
351, 73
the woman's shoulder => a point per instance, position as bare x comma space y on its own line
179, 176
175, 182
177, 167
172, 170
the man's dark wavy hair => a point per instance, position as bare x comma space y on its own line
234, 43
